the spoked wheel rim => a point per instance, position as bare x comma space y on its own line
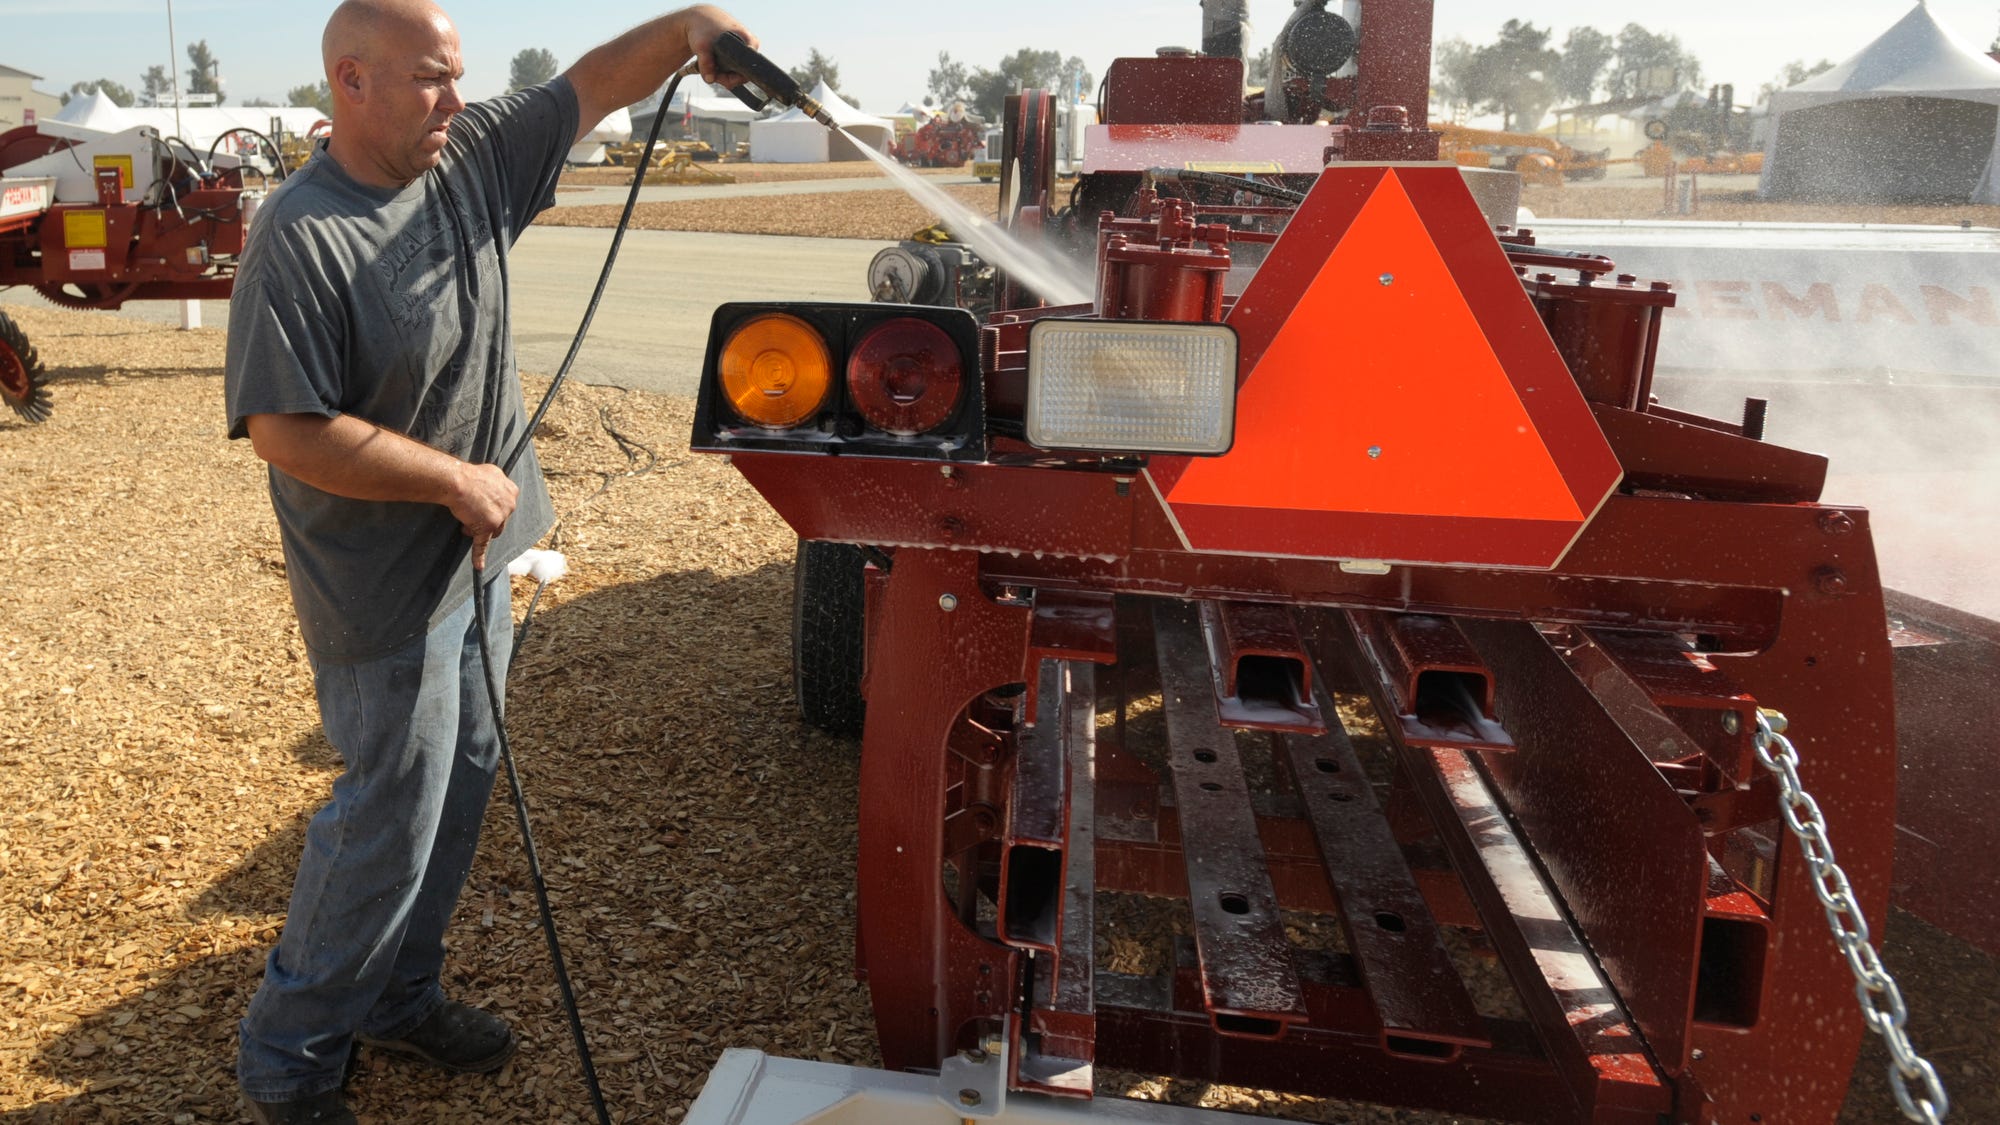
22, 382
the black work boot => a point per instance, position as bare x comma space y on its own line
455, 1037
318, 1109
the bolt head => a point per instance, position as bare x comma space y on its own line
1731, 722
1387, 279
968, 1097
1836, 523
1374, 452
947, 602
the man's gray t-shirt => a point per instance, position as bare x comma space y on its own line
391, 305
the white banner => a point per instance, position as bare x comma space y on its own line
1864, 303
1876, 346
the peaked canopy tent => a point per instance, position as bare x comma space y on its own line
793, 138
1914, 117
94, 114
615, 129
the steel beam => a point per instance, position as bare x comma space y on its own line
1423, 1006
1434, 684
1582, 1024
1057, 1042
1249, 986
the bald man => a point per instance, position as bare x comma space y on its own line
370, 364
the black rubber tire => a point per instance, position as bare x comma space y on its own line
827, 636
23, 383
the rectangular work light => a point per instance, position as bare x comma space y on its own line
1132, 386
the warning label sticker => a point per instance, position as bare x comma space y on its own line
121, 161
85, 230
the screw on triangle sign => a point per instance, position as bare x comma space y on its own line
1398, 396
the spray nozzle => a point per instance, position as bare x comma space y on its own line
734, 56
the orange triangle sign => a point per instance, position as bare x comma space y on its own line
1402, 401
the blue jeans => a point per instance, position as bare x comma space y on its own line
385, 859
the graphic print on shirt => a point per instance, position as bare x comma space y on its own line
423, 274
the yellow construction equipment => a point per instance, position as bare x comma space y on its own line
1539, 159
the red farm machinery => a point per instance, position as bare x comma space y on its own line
92, 219
947, 140
1323, 630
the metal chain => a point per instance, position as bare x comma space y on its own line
1881, 1000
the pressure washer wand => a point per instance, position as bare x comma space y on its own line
734, 56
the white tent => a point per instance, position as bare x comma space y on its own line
91, 113
793, 138
789, 138
1914, 116
615, 129
200, 128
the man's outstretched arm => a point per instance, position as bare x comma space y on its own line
640, 61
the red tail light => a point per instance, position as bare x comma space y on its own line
904, 376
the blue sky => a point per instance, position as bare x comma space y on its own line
884, 51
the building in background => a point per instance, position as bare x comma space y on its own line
18, 94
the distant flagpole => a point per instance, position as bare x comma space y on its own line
173, 70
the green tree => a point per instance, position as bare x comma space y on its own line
320, 97
205, 73
947, 80
1459, 79
1257, 69
1073, 78
260, 103
1794, 73
531, 67
1518, 70
1586, 52
156, 85
1025, 69
820, 68
119, 95
1642, 53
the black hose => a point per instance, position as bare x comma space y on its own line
277, 154
480, 599
1188, 176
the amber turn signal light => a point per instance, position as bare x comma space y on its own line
775, 370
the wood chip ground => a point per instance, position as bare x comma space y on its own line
160, 753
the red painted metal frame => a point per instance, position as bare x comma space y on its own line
1716, 552
1817, 650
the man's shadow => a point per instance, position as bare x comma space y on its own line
670, 784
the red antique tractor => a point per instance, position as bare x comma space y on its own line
1320, 662
947, 140
92, 220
